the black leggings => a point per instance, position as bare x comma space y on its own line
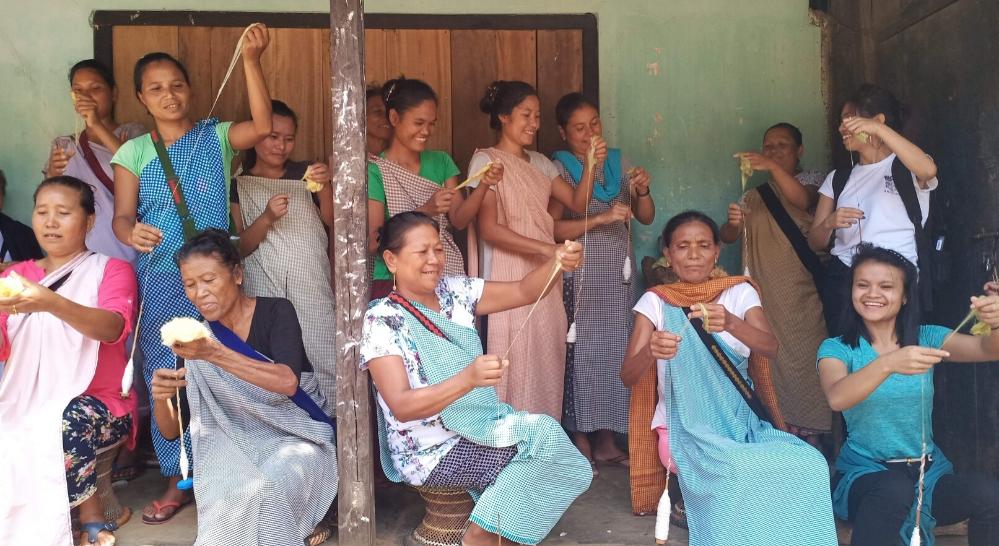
880, 502
836, 295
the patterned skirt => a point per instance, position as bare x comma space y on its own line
469, 465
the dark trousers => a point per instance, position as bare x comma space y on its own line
880, 502
836, 295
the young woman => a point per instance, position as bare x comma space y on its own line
88, 157
443, 424
698, 341
788, 273
282, 234
379, 132
869, 207
265, 469
63, 339
879, 373
407, 176
149, 219
596, 402
518, 236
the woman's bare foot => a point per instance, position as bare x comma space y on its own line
169, 503
606, 450
477, 536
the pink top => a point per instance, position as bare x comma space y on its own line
118, 294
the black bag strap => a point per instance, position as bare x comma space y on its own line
907, 192
840, 177
173, 181
738, 381
409, 307
797, 239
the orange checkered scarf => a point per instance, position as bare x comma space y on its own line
648, 477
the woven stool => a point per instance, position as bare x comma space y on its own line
446, 518
114, 512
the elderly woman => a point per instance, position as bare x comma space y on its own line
890, 475
63, 324
265, 461
700, 340
442, 422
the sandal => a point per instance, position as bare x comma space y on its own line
159, 507
94, 528
126, 473
593, 467
620, 460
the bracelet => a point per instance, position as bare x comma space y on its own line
646, 194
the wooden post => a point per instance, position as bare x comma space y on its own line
350, 254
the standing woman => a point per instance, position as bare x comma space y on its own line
596, 401
774, 227
94, 94
519, 235
867, 204
148, 218
879, 373
407, 176
282, 235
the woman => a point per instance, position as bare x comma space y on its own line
596, 402
789, 273
441, 422
148, 217
866, 204
282, 233
879, 373
518, 236
743, 480
63, 339
88, 158
379, 132
265, 462
407, 176
17, 241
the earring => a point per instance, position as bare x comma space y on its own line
669, 265
393, 282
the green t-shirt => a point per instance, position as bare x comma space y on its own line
136, 153
435, 165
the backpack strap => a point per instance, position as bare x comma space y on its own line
173, 181
907, 192
840, 177
794, 236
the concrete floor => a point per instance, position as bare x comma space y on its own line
601, 516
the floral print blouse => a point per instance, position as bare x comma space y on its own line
416, 446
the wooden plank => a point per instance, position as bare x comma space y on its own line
301, 88
424, 55
326, 84
232, 105
375, 68
560, 71
479, 57
195, 52
350, 255
130, 44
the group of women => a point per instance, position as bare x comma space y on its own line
721, 375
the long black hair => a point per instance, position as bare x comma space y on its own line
907, 320
567, 106
403, 94
872, 100
278, 108
100, 68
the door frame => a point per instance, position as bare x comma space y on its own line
104, 21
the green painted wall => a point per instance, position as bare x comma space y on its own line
684, 83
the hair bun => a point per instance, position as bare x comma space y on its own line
488, 103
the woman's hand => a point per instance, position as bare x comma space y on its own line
569, 255
640, 180
87, 108
277, 207
616, 213
200, 349
33, 299
718, 320
494, 175
760, 162
145, 237
255, 42
439, 203
664, 345
166, 381
599, 147
859, 124
318, 172
58, 160
843, 217
992, 288
914, 360
484, 371
735, 215
987, 308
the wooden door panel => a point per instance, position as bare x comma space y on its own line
130, 44
560, 71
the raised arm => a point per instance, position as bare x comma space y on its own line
965, 348
646, 347
464, 209
845, 390
642, 205
578, 199
912, 156
500, 296
246, 134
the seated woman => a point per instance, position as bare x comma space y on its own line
63, 338
265, 462
442, 423
743, 480
879, 373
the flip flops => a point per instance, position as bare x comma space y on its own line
161, 506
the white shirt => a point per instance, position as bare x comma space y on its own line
871, 188
737, 300
479, 160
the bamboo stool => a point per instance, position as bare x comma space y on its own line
114, 512
446, 518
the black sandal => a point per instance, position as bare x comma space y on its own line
94, 528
